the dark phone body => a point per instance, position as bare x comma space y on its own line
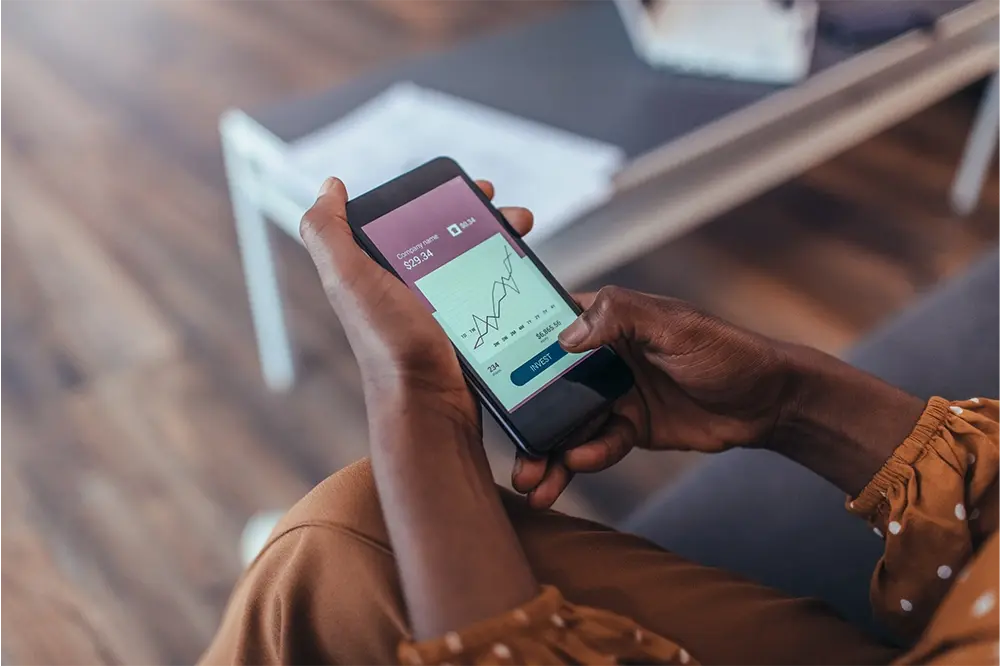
547, 419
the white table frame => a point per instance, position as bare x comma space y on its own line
686, 182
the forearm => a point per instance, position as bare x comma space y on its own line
458, 555
842, 423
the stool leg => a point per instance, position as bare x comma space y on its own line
273, 347
978, 154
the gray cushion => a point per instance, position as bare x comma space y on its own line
767, 518
947, 345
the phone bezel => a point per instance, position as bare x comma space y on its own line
603, 371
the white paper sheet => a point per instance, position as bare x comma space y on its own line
555, 173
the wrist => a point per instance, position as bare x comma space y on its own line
458, 556
407, 382
416, 402
839, 421
404, 371
832, 394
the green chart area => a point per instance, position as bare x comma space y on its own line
500, 312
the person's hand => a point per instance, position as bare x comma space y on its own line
425, 436
395, 338
700, 384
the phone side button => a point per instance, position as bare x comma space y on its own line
536, 364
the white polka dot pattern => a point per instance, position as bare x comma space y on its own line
906, 605
960, 511
895, 527
411, 656
944, 572
984, 604
586, 635
453, 641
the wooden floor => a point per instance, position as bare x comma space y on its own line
137, 435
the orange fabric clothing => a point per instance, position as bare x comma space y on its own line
556, 632
936, 499
325, 589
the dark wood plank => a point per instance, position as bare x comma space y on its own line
56, 574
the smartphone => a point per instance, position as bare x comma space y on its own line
435, 230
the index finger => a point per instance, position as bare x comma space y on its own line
586, 299
487, 188
608, 447
557, 478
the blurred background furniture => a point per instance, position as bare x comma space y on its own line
696, 147
746, 40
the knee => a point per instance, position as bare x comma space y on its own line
325, 589
347, 499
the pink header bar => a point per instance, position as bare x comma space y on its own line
428, 232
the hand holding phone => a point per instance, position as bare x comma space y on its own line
437, 233
395, 340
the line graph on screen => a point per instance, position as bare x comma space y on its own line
483, 325
488, 297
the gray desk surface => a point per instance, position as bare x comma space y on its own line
576, 71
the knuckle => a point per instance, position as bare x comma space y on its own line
689, 316
606, 454
609, 300
310, 226
679, 307
320, 218
673, 312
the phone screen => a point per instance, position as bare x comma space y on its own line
497, 307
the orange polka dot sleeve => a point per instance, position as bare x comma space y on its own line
934, 501
548, 630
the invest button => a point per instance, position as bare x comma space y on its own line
536, 364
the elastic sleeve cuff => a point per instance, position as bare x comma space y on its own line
873, 501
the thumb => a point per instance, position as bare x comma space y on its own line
613, 314
325, 223
328, 238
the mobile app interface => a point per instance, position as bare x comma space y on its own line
494, 304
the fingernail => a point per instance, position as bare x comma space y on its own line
328, 185
517, 468
574, 334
